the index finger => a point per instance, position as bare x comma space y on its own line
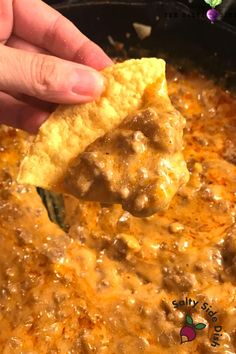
43, 26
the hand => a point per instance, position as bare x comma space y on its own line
44, 59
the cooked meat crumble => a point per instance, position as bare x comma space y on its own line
139, 165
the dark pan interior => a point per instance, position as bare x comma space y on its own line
178, 35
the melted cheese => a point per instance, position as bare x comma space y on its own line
108, 285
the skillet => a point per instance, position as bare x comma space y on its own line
177, 32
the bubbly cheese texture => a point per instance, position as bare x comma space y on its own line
107, 286
70, 129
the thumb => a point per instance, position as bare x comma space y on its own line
47, 78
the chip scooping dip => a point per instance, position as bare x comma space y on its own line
135, 91
139, 164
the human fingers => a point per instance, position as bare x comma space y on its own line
44, 27
47, 78
18, 43
20, 115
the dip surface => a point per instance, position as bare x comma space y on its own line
108, 285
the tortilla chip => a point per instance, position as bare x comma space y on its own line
70, 129
139, 164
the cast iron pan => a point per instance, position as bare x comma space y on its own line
178, 35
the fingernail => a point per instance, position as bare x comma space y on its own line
88, 83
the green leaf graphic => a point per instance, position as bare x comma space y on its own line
200, 325
213, 3
189, 319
